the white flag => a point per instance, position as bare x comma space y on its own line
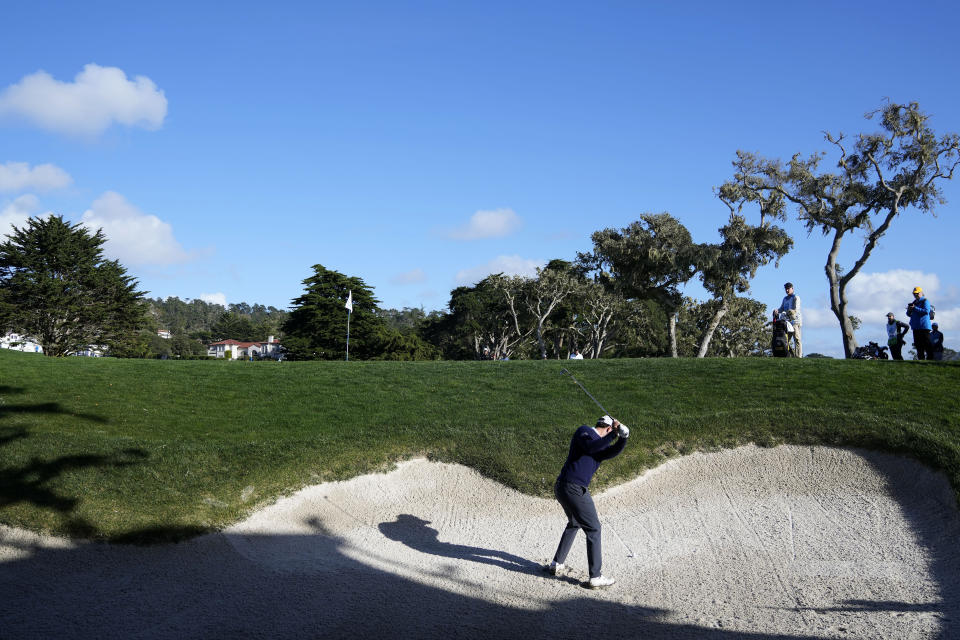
349, 305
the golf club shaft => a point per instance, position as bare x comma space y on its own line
584, 390
617, 535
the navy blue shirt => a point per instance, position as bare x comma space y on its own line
587, 451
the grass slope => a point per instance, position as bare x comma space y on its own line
139, 450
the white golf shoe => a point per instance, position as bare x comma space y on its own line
601, 582
556, 568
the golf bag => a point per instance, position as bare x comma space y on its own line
870, 351
780, 345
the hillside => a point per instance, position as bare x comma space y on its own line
140, 449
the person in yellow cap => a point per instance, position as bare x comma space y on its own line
919, 312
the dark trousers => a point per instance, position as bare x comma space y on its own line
581, 514
896, 350
921, 340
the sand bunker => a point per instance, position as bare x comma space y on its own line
790, 542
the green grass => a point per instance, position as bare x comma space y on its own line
139, 451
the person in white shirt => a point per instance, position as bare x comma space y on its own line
895, 332
576, 355
790, 308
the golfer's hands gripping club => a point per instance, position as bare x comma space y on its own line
622, 429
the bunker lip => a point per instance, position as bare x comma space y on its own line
789, 542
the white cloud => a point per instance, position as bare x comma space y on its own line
133, 237
97, 98
488, 224
17, 213
409, 277
214, 298
19, 176
873, 295
949, 320
814, 317
870, 296
508, 265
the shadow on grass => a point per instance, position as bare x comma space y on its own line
5, 388
51, 408
34, 481
317, 585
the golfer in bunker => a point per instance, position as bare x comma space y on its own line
589, 447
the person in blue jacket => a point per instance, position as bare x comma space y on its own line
588, 448
919, 312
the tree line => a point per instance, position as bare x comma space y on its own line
622, 298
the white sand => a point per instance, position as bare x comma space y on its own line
791, 542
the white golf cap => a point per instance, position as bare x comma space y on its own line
606, 421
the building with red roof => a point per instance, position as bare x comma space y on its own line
236, 350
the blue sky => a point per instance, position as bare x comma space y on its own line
422, 145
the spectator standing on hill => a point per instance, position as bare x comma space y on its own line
919, 312
576, 355
936, 342
895, 332
790, 309
588, 448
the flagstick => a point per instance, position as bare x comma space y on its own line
349, 308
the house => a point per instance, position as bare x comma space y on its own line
18, 342
91, 351
236, 350
164, 333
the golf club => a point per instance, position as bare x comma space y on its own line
562, 371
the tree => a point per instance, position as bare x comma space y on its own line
490, 317
597, 310
397, 345
440, 329
183, 346
236, 327
542, 296
56, 287
727, 268
741, 331
316, 329
403, 320
648, 260
400, 337
882, 175
206, 322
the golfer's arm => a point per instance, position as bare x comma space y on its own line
613, 450
599, 444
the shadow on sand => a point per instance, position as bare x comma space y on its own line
229, 586
414, 532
